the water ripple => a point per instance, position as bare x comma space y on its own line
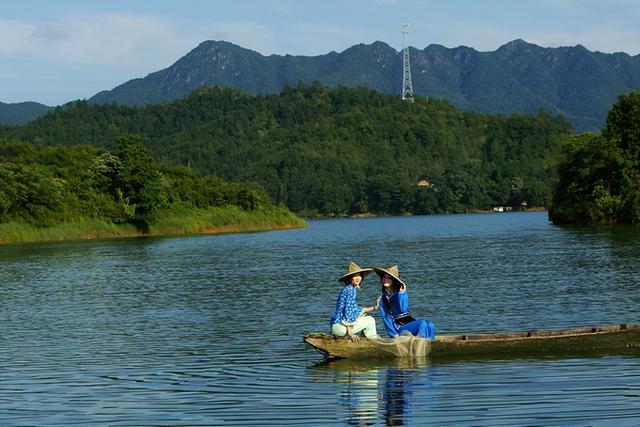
207, 330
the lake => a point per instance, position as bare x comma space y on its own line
207, 330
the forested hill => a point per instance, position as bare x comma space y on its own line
518, 77
334, 151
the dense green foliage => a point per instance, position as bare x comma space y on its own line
600, 174
45, 186
331, 151
518, 77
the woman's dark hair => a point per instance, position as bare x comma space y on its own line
347, 279
394, 283
395, 286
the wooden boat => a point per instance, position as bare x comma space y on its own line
623, 339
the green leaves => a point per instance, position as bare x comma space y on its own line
599, 175
623, 123
31, 193
137, 180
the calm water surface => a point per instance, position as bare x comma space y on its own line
208, 330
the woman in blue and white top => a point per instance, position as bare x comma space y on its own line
394, 307
349, 318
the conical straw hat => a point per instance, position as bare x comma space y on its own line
391, 271
355, 269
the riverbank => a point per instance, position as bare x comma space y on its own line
378, 215
227, 219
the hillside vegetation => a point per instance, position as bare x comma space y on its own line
600, 174
56, 192
334, 151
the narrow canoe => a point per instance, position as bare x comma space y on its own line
623, 339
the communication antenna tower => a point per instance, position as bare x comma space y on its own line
407, 87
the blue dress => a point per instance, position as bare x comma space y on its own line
347, 311
397, 304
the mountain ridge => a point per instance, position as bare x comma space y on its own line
12, 114
518, 77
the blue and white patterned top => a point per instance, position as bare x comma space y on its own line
347, 311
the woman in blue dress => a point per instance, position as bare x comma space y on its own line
349, 318
394, 307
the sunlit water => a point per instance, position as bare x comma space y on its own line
207, 330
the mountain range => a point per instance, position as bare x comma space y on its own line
518, 77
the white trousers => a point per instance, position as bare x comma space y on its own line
367, 324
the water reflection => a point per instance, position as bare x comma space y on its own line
371, 391
396, 396
359, 397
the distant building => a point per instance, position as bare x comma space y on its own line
502, 209
424, 183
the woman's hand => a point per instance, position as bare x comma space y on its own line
403, 287
378, 302
351, 335
369, 309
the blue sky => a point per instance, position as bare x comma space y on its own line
57, 51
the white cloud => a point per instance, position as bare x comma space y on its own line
99, 39
136, 41
77, 55
14, 35
102, 50
51, 33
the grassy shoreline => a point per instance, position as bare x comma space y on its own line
185, 221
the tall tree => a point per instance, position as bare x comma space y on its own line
137, 180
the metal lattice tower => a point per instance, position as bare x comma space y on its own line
407, 87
